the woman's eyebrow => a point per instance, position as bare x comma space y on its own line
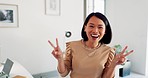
100, 25
91, 23
94, 24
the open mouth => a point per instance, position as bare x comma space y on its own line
95, 35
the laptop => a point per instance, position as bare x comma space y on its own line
6, 69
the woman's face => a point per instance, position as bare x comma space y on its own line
95, 29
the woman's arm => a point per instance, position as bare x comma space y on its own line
57, 53
109, 71
117, 60
64, 60
61, 65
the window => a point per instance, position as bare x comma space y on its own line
93, 6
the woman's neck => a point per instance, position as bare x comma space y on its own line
91, 44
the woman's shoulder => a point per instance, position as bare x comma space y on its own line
107, 47
73, 44
76, 42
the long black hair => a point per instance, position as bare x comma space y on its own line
108, 33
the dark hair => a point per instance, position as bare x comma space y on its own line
108, 33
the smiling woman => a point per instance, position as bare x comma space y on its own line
91, 52
95, 30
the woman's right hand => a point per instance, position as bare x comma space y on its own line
57, 53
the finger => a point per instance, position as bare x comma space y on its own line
53, 53
57, 42
56, 53
122, 52
129, 53
51, 44
122, 60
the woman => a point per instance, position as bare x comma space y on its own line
90, 57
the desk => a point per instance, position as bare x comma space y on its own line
18, 69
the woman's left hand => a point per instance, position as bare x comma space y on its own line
120, 58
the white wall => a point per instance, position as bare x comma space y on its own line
129, 24
28, 44
147, 52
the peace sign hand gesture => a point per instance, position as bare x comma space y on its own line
120, 58
57, 53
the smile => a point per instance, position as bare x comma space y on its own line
94, 35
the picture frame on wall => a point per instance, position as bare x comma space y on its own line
52, 7
8, 15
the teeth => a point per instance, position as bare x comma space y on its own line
94, 35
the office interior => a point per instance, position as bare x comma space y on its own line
27, 43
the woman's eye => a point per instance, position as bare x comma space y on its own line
91, 26
100, 27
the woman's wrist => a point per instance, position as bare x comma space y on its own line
60, 58
113, 64
61, 65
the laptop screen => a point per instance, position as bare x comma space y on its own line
7, 66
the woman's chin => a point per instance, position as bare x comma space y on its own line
95, 39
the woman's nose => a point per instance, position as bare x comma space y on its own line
95, 29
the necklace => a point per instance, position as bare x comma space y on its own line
99, 44
91, 51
